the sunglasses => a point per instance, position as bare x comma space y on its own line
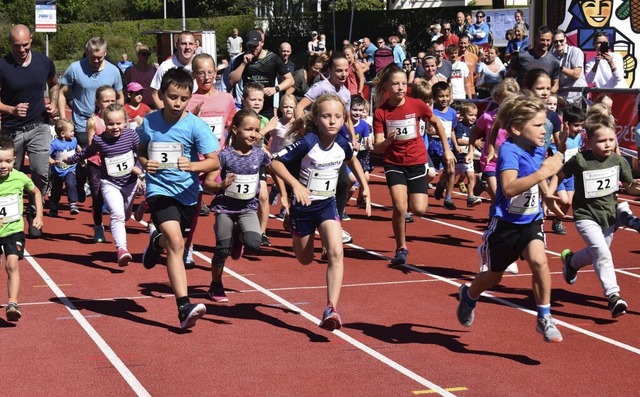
406, 64
558, 41
479, 16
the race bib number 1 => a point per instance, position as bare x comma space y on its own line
600, 183
10, 208
243, 187
526, 203
165, 153
323, 183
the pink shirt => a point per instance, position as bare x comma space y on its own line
484, 123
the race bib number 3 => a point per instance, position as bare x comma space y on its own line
526, 203
120, 165
404, 129
600, 183
243, 187
323, 183
165, 153
10, 208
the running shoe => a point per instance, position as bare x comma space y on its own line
463, 187
449, 205
53, 209
472, 201
142, 208
237, 248
408, 217
189, 263
217, 294
73, 209
479, 188
401, 257
558, 227
569, 273
466, 309
13, 311
344, 217
546, 326
190, 313
204, 210
266, 242
438, 193
346, 237
123, 257
512, 268
282, 213
617, 305
152, 253
330, 319
98, 234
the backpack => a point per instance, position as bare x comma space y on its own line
381, 58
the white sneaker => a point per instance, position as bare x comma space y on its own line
483, 265
512, 268
346, 237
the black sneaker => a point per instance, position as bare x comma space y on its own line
190, 313
448, 204
73, 209
569, 273
472, 201
438, 193
31, 216
53, 209
479, 188
151, 254
617, 305
558, 227
266, 242
217, 294
408, 217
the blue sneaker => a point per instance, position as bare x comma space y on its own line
151, 254
401, 257
465, 311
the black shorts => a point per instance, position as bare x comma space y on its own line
165, 209
503, 242
13, 244
414, 177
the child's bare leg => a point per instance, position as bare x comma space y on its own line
471, 175
303, 247
482, 282
173, 242
536, 257
331, 234
399, 199
13, 277
263, 207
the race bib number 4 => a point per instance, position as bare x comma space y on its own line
600, 183
323, 183
10, 208
526, 203
165, 153
404, 129
120, 165
244, 187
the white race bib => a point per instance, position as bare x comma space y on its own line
448, 128
243, 187
423, 127
404, 129
165, 153
10, 208
120, 165
526, 203
62, 156
216, 124
570, 153
600, 183
323, 183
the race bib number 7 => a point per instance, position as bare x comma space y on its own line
10, 208
165, 153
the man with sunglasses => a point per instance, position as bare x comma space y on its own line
447, 37
606, 68
479, 31
571, 60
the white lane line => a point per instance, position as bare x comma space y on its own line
128, 376
384, 359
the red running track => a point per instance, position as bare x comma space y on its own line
90, 328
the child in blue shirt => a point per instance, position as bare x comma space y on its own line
64, 146
469, 114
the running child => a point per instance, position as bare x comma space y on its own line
449, 120
236, 185
63, 146
396, 136
422, 90
595, 209
362, 131
13, 184
469, 113
515, 230
135, 108
117, 147
315, 161
170, 141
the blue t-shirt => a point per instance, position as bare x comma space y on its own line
60, 150
462, 131
83, 83
449, 120
242, 195
525, 207
195, 137
315, 166
361, 129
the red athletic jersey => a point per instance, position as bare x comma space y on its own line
408, 148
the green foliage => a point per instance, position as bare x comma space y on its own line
361, 5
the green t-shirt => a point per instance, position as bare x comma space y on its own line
11, 192
596, 184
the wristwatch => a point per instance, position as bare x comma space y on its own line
277, 88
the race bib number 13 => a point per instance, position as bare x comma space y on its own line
243, 187
165, 153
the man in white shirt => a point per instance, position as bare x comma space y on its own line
234, 44
571, 61
185, 51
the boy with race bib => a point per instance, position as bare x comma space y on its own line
597, 173
170, 141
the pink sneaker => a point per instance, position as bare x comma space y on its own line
330, 319
123, 257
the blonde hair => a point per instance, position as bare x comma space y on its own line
596, 121
599, 108
306, 123
421, 90
519, 109
287, 97
504, 89
62, 125
113, 108
381, 80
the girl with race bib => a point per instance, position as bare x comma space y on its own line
311, 166
597, 173
117, 147
396, 135
515, 229
236, 185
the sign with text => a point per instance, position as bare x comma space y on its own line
45, 16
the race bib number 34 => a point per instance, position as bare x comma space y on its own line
165, 153
10, 208
404, 129
600, 183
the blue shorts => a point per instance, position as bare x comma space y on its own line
567, 184
488, 174
305, 220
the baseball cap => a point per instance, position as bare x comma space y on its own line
134, 87
253, 38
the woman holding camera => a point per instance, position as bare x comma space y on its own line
606, 69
